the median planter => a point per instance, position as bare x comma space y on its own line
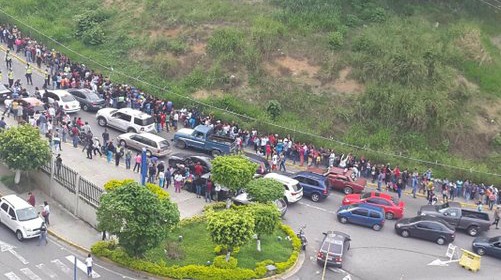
189, 253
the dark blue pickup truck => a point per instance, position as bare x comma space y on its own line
203, 138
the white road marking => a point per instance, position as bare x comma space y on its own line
5, 247
19, 257
62, 266
82, 266
12, 276
316, 207
46, 270
30, 274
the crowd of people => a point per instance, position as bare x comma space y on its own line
60, 73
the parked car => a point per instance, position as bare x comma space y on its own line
5, 92
362, 214
293, 192
202, 137
314, 185
89, 100
126, 119
392, 208
20, 217
487, 246
243, 199
190, 162
472, 221
63, 98
263, 167
342, 179
154, 144
30, 104
426, 227
333, 248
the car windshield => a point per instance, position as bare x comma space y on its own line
144, 122
335, 247
365, 195
26, 214
67, 98
295, 187
92, 96
164, 144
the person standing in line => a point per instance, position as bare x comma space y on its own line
161, 179
118, 155
208, 191
31, 199
137, 163
46, 213
497, 215
59, 162
178, 182
168, 177
89, 263
128, 158
10, 77
43, 234
29, 72
106, 136
8, 59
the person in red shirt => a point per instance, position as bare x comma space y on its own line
31, 199
198, 169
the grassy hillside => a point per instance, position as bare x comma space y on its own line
416, 78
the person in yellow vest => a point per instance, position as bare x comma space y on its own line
8, 59
10, 76
46, 76
29, 72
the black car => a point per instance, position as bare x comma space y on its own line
333, 248
487, 246
5, 92
89, 100
190, 161
426, 227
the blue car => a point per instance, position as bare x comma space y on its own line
362, 214
314, 185
487, 246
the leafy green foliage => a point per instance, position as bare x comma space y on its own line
22, 148
336, 40
266, 218
230, 227
264, 190
233, 172
137, 216
226, 44
220, 262
274, 109
89, 26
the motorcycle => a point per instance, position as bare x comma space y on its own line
302, 237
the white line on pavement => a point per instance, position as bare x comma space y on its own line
316, 207
82, 266
62, 266
30, 274
19, 257
12, 276
46, 270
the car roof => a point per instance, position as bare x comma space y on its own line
60, 92
16, 201
380, 194
203, 128
32, 101
281, 178
148, 135
332, 235
310, 175
135, 113
368, 206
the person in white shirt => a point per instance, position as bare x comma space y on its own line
88, 262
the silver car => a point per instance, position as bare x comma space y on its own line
154, 144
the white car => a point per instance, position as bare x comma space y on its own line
293, 191
19, 216
154, 144
65, 99
126, 119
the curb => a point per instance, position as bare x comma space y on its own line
61, 238
291, 271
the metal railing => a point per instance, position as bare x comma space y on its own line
66, 176
47, 168
89, 191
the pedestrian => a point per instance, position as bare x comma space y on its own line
59, 162
152, 170
43, 234
90, 148
497, 215
31, 199
198, 185
128, 158
492, 200
88, 262
208, 191
380, 179
96, 147
137, 164
168, 177
118, 155
46, 213
178, 182
29, 72
161, 179
106, 136
283, 158
109, 151
400, 187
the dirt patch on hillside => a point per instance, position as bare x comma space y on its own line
345, 85
204, 94
471, 45
199, 48
296, 67
163, 32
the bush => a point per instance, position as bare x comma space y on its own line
94, 35
352, 20
220, 262
89, 26
274, 109
222, 250
336, 40
158, 191
111, 185
226, 44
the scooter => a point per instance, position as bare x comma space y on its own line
302, 237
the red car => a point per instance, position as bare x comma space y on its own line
342, 180
393, 209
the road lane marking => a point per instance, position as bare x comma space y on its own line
19, 257
62, 266
46, 270
12, 276
82, 266
5, 247
30, 274
316, 207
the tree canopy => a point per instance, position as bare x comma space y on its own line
264, 190
139, 218
233, 172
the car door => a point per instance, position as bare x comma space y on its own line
52, 97
425, 230
4, 212
77, 94
495, 249
360, 216
303, 183
452, 216
379, 202
12, 220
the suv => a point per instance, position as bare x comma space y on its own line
63, 98
154, 144
19, 216
362, 214
89, 100
314, 185
126, 119
293, 191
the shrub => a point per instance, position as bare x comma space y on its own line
336, 40
94, 35
226, 44
89, 26
352, 20
222, 250
274, 109
220, 262
158, 191
111, 185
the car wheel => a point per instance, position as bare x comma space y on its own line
376, 227
315, 197
473, 231
102, 121
343, 220
123, 143
405, 233
215, 153
131, 130
440, 241
347, 190
19, 235
85, 107
480, 251
181, 144
389, 216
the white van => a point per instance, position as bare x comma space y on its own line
18, 215
293, 192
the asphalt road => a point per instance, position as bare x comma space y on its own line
373, 255
27, 260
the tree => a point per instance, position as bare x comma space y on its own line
233, 172
266, 218
264, 190
137, 216
230, 228
22, 149
274, 109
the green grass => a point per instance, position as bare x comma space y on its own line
197, 248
